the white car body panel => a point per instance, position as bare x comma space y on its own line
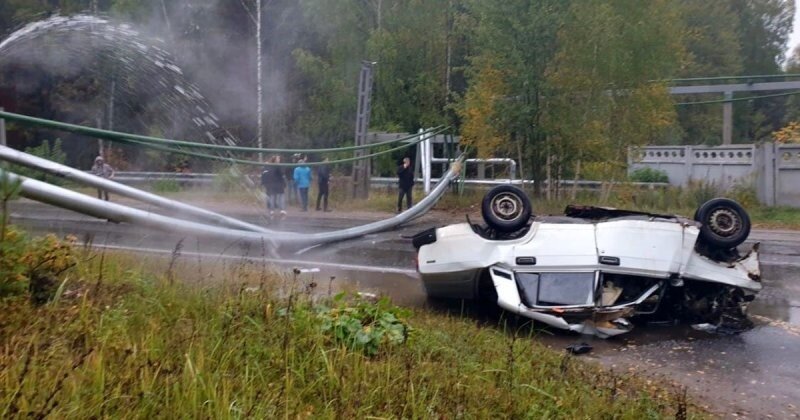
648, 247
566, 246
654, 248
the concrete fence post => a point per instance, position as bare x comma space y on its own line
688, 162
769, 169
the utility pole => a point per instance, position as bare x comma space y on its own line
727, 118
100, 149
166, 18
260, 106
110, 122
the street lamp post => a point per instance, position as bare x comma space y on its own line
260, 106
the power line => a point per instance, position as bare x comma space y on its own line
749, 77
117, 136
748, 98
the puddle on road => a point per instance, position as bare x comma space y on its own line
780, 298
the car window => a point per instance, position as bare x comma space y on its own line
556, 289
528, 284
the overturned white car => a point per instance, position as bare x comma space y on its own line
593, 268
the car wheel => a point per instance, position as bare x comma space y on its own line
506, 208
725, 223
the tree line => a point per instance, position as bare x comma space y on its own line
565, 86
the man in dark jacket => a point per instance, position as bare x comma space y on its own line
323, 178
405, 180
274, 183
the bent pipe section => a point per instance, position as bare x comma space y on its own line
71, 200
62, 171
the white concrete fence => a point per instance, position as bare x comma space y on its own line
772, 169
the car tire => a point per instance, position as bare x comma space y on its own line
725, 223
506, 208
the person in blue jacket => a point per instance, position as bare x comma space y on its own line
302, 180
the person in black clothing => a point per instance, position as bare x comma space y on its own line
323, 177
405, 180
274, 183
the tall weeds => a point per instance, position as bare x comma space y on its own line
136, 345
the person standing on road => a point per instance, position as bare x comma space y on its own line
302, 180
405, 180
274, 183
323, 178
103, 170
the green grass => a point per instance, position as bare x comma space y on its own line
776, 217
179, 338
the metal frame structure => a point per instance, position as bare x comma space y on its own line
362, 167
727, 90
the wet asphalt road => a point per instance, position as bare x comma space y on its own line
755, 374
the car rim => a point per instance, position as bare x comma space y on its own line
724, 222
507, 206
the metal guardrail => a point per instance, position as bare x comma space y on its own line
563, 183
181, 177
207, 178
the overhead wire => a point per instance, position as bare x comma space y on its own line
258, 163
748, 98
114, 135
746, 77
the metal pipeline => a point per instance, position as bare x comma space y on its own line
62, 171
71, 200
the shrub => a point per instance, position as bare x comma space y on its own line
36, 264
745, 194
364, 326
46, 260
698, 192
648, 175
12, 264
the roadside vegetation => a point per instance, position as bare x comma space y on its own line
110, 335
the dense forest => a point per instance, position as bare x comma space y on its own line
557, 80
